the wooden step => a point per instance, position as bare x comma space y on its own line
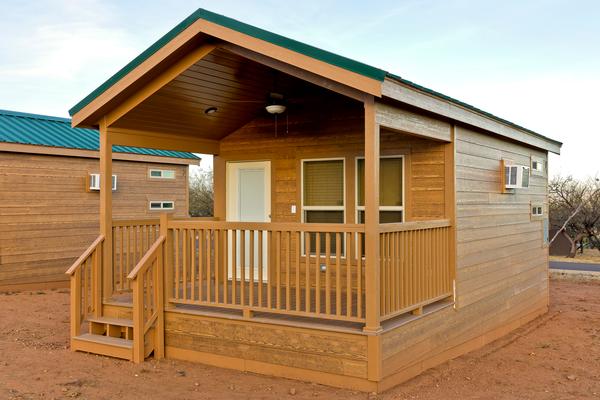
112, 321
105, 345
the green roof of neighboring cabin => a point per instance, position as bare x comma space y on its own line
42, 130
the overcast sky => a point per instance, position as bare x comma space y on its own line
536, 63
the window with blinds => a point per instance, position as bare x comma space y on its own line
391, 189
323, 196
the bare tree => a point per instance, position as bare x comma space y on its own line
574, 208
201, 194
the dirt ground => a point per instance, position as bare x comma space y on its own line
557, 356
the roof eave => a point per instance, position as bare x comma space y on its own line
550, 145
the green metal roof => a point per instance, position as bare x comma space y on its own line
468, 106
42, 130
294, 45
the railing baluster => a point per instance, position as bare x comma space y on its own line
200, 239
269, 266
278, 267
359, 298
234, 266
318, 273
338, 275
208, 265
184, 262
251, 272
307, 306
349, 259
217, 237
288, 269
192, 246
260, 267
327, 273
176, 249
242, 267
298, 241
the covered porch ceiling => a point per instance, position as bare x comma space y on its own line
238, 87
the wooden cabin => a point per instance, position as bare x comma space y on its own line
49, 214
365, 228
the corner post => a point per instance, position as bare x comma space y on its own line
372, 277
106, 208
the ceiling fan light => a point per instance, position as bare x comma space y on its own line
210, 110
275, 108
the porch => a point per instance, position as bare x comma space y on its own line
164, 269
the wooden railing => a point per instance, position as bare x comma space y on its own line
86, 285
264, 267
131, 240
415, 268
148, 303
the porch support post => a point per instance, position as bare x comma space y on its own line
106, 208
372, 283
371, 218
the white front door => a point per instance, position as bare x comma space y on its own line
248, 200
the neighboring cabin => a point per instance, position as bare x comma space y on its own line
49, 215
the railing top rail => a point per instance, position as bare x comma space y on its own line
414, 225
141, 221
267, 226
85, 255
145, 261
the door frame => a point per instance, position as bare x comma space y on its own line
232, 188
232, 214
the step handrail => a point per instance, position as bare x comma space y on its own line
77, 264
147, 285
145, 261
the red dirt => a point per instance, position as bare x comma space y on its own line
556, 356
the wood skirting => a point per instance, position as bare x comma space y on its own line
266, 357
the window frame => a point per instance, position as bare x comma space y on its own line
162, 205
358, 208
161, 177
539, 161
322, 208
536, 206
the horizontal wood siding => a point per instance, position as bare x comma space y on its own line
502, 264
48, 219
306, 135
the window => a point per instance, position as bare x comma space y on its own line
323, 196
537, 211
391, 189
161, 173
94, 182
538, 166
162, 205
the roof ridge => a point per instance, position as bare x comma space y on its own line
43, 117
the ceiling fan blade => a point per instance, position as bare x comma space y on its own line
246, 101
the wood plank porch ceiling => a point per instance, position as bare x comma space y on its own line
224, 80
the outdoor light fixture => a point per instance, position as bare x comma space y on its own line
275, 108
210, 110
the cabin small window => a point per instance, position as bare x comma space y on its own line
161, 173
391, 189
537, 211
538, 166
323, 196
162, 205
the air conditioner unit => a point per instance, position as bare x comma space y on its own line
95, 182
516, 176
